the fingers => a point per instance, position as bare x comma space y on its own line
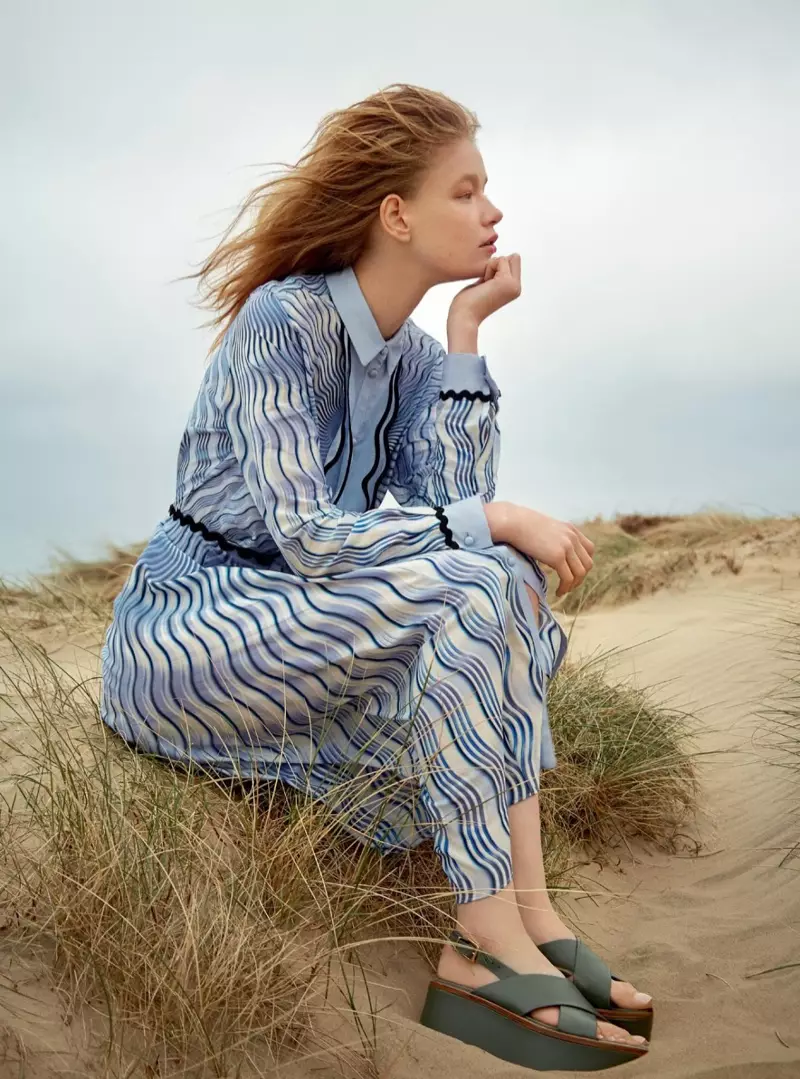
581, 542
510, 264
583, 554
585, 541
576, 562
508, 274
579, 570
567, 579
571, 572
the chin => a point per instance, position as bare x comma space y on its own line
480, 263
468, 269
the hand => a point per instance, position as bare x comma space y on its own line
499, 285
559, 544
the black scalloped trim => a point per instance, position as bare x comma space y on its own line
465, 395
265, 560
447, 532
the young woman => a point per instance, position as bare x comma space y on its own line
393, 661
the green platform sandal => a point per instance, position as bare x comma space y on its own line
495, 1018
591, 975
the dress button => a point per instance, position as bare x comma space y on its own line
510, 562
373, 372
468, 540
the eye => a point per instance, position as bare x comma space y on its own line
466, 195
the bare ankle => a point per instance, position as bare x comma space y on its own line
492, 922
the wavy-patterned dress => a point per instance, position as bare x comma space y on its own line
281, 622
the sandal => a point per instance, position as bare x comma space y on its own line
495, 1018
591, 975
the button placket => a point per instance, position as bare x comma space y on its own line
369, 389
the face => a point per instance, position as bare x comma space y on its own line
447, 223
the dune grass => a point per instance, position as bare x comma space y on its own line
74, 596
624, 770
197, 927
636, 555
782, 711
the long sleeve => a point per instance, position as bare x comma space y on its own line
451, 458
270, 418
451, 455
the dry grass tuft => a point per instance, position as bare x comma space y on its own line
782, 711
73, 596
623, 767
202, 928
213, 925
636, 555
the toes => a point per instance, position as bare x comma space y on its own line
625, 995
609, 1032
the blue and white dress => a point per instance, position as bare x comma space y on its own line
282, 623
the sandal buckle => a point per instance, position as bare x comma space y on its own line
464, 946
469, 949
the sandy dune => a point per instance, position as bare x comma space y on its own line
692, 930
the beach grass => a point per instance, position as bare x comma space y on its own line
781, 712
199, 927
636, 555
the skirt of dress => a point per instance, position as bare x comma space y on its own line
411, 696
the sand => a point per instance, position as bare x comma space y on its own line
693, 929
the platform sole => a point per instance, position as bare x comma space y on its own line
516, 1038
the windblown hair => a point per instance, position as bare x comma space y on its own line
317, 216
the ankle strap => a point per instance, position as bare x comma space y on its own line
471, 951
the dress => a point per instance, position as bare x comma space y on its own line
281, 622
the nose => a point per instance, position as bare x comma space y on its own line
495, 215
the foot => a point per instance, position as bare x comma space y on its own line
524, 957
544, 926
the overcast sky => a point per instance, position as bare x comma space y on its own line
644, 152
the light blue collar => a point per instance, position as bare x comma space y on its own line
357, 315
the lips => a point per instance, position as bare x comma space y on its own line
491, 241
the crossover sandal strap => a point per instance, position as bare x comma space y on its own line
524, 993
590, 973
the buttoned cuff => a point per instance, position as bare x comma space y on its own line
530, 573
466, 372
464, 524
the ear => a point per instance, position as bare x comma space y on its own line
394, 218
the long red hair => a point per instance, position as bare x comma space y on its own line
317, 216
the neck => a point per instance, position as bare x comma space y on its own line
392, 289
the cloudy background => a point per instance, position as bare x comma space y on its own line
645, 154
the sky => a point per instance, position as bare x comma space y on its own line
646, 157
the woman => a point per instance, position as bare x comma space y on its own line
393, 661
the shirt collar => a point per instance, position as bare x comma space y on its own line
357, 315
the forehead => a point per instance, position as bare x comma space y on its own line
455, 162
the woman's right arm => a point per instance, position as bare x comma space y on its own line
558, 544
274, 434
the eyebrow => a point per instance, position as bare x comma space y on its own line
471, 176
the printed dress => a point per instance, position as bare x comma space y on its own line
282, 622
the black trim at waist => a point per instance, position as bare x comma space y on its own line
260, 558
